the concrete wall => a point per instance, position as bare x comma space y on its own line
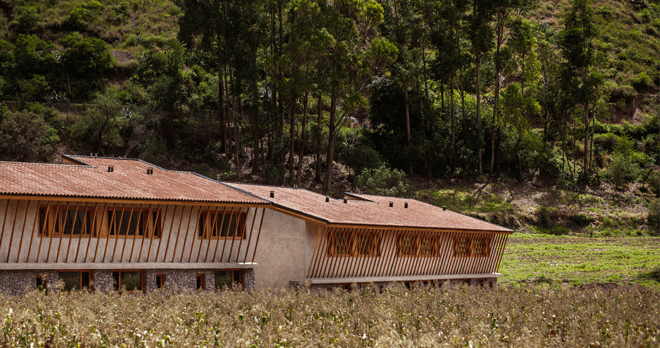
285, 250
179, 243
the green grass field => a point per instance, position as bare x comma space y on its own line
580, 260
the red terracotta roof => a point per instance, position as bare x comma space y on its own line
372, 210
129, 180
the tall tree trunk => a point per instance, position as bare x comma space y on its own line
256, 132
291, 134
408, 135
497, 97
317, 176
453, 125
586, 140
331, 144
479, 138
221, 108
301, 154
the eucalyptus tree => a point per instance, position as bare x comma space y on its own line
579, 76
481, 39
347, 73
505, 13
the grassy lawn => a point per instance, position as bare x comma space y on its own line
580, 260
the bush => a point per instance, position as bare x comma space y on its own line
384, 181
361, 157
28, 18
98, 128
643, 81
87, 61
582, 219
77, 18
653, 214
606, 141
622, 170
26, 137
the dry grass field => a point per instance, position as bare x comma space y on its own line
527, 316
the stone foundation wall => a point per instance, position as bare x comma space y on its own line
103, 281
16, 282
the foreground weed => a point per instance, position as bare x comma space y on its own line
422, 317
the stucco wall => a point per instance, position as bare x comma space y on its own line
285, 250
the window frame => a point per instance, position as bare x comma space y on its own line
150, 229
414, 242
207, 225
143, 283
434, 246
471, 245
200, 279
241, 278
163, 280
80, 279
333, 239
372, 250
54, 218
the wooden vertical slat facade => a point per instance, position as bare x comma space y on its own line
162, 234
387, 261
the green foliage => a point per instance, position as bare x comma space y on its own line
361, 157
98, 128
582, 219
643, 81
28, 19
86, 62
384, 181
26, 137
621, 170
653, 214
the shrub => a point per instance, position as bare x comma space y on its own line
653, 214
28, 18
98, 128
606, 141
77, 18
621, 170
26, 137
643, 81
582, 219
361, 157
544, 218
384, 181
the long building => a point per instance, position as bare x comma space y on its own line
125, 224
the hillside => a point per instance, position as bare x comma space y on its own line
272, 102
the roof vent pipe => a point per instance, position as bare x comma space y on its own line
444, 208
327, 199
150, 170
406, 205
111, 168
345, 200
272, 194
391, 204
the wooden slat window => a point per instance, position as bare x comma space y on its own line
407, 245
127, 223
481, 246
462, 246
472, 246
366, 244
64, 222
340, 243
429, 246
213, 225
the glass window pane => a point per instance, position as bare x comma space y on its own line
200, 225
223, 278
132, 281
84, 279
71, 280
115, 278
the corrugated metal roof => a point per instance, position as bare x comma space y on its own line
129, 180
372, 210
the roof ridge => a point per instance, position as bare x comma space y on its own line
48, 164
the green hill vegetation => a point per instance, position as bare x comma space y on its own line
538, 115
